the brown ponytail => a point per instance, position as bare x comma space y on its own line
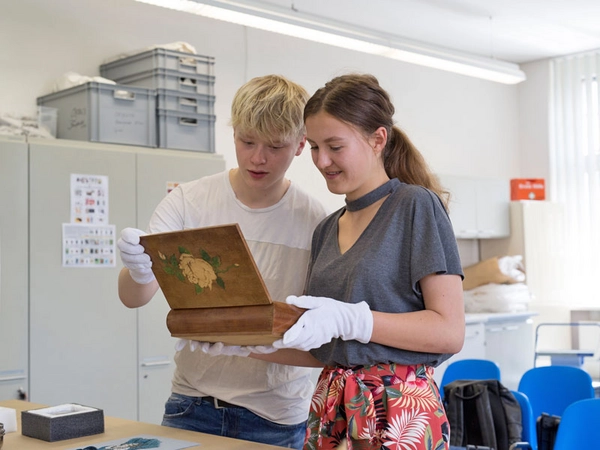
402, 160
359, 101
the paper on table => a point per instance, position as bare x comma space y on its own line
8, 417
143, 441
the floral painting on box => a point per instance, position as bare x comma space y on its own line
202, 272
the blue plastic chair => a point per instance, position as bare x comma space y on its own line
470, 369
579, 426
551, 389
528, 420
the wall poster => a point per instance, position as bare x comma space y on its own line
88, 245
89, 199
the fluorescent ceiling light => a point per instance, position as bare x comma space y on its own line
257, 14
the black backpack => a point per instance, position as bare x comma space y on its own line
482, 412
546, 429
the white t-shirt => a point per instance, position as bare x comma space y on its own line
279, 238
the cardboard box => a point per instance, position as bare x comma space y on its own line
527, 189
57, 423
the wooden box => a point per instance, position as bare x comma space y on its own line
214, 288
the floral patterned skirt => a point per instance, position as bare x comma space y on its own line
385, 406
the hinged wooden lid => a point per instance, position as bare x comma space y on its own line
206, 268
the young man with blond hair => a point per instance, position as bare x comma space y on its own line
226, 395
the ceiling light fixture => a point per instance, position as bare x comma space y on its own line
268, 17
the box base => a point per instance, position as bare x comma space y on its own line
62, 422
238, 325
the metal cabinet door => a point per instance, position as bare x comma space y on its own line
83, 341
155, 169
13, 267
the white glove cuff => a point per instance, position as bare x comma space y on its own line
364, 328
142, 276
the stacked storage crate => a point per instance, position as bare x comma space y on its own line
102, 112
184, 85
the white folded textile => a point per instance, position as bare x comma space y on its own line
513, 267
70, 79
177, 46
498, 298
19, 125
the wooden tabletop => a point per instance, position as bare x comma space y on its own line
115, 428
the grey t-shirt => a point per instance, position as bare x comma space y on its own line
410, 237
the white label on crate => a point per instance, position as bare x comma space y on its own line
77, 118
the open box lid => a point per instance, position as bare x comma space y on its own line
206, 268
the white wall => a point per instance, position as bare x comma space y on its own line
534, 133
462, 125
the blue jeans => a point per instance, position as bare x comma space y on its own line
196, 414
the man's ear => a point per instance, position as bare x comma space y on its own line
378, 139
301, 146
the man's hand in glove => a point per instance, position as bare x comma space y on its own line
325, 320
219, 348
133, 256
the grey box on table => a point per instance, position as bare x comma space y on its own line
57, 423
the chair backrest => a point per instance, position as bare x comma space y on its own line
527, 418
470, 369
579, 426
551, 389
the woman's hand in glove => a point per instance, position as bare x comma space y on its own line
325, 320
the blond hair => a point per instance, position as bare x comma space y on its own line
270, 107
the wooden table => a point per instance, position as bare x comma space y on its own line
115, 428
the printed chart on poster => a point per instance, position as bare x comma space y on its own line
88, 245
89, 199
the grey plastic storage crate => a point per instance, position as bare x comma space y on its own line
186, 131
158, 58
171, 80
185, 102
105, 113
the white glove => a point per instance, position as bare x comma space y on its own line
219, 348
181, 343
133, 256
325, 320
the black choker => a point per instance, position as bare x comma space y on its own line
373, 196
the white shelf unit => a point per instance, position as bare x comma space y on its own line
479, 207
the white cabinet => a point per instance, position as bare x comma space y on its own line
506, 339
155, 168
509, 343
537, 235
85, 346
13, 267
473, 348
479, 207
